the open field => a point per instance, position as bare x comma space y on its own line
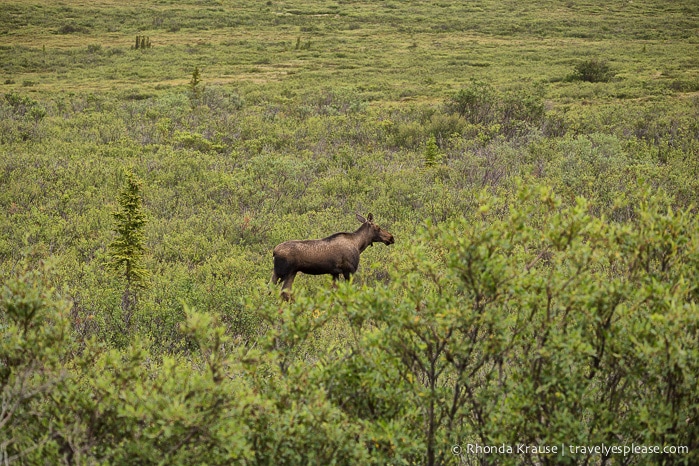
385, 52
536, 162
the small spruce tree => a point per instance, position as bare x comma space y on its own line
127, 249
194, 85
431, 153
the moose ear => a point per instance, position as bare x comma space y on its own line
370, 217
361, 219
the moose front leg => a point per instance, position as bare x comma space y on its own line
336, 277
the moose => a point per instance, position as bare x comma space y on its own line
336, 255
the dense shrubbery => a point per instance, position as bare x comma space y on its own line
593, 71
541, 290
510, 114
532, 323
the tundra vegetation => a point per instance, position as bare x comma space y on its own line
537, 163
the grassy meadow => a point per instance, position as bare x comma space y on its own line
537, 163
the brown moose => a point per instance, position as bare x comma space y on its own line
336, 255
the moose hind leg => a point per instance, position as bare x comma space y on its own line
286, 286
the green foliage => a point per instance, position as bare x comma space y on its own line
542, 328
194, 85
35, 341
196, 142
22, 118
593, 71
477, 103
511, 114
124, 408
501, 314
127, 249
431, 152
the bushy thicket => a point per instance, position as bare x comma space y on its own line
541, 290
530, 323
593, 71
511, 114
517, 316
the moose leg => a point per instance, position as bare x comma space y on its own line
286, 286
336, 277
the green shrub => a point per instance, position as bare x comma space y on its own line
195, 141
593, 71
515, 112
72, 28
477, 103
543, 327
444, 126
522, 110
94, 48
35, 341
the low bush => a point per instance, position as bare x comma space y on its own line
516, 112
593, 71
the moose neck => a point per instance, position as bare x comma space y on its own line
362, 237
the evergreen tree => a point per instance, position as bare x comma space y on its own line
431, 152
128, 248
194, 86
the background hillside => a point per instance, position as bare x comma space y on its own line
537, 163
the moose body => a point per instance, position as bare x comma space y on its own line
335, 255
